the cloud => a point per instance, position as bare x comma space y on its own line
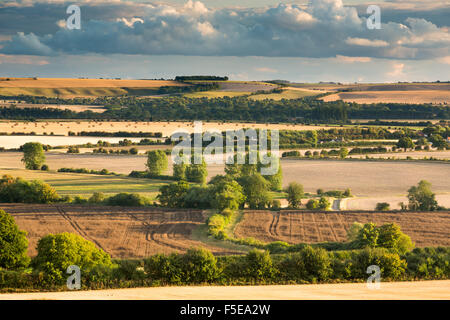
445, 60
28, 60
345, 59
266, 70
396, 71
366, 42
322, 29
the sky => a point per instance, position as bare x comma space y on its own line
303, 41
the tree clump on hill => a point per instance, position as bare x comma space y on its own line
33, 155
421, 198
18, 190
157, 162
13, 244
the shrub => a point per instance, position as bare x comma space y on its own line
429, 263
56, 252
45, 168
276, 204
390, 264
294, 194
164, 268
308, 264
13, 243
324, 204
133, 151
199, 266
156, 162
97, 197
258, 265
127, 199
382, 206
33, 155
312, 204
278, 247
128, 270
19, 190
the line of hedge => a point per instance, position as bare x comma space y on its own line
199, 266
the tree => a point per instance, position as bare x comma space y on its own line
438, 142
405, 143
382, 206
421, 197
343, 153
324, 204
56, 252
295, 194
276, 179
21, 191
227, 194
197, 172
13, 244
368, 236
353, 231
33, 155
173, 195
156, 162
312, 204
256, 191
391, 237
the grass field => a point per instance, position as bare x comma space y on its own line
85, 184
288, 93
216, 94
425, 228
123, 232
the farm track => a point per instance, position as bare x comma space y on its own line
77, 227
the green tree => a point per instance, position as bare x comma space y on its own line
256, 191
227, 194
173, 195
391, 237
21, 191
13, 244
33, 155
343, 153
56, 252
157, 162
438, 142
258, 265
354, 230
405, 143
197, 172
324, 204
294, 194
382, 206
275, 180
368, 236
421, 197
312, 204
199, 266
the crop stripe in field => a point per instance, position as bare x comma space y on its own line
273, 224
77, 227
303, 226
331, 227
319, 235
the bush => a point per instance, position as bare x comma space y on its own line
276, 204
258, 266
382, 206
18, 190
308, 264
312, 204
390, 264
294, 194
127, 199
166, 269
13, 243
199, 266
56, 252
45, 168
429, 263
96, 198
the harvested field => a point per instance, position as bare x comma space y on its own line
166, 128
288, 93
75, 107
424, 228
410, 96
84, 83
245, 86
123, 232
418, 290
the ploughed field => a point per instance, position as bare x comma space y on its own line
123, 232
424, 228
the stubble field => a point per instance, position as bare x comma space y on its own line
123, 232
424, 228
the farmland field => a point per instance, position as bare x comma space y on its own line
424, 228
165, 127
123, 232
69, 88
288, 93
418, 97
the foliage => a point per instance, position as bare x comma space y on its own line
173, 195
18, 190
127, 199
421, 197
382, 206
56, 252
256, 191
156, 162
294, 194
13, 243
33, 155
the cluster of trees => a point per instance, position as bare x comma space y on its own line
186, 89
117, 151
88, 171
33, 155
228, 108
116, 134
200, 78
18, 190
342, 152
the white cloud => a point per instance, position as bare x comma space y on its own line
345, 59
366, 42
266, 70
396, 71
28, 60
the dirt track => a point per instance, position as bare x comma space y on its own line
349, 291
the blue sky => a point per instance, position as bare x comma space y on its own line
307, 41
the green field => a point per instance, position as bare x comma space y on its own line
85, 184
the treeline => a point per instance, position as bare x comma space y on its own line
116, 134
306, 110
188, 89
200, 78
